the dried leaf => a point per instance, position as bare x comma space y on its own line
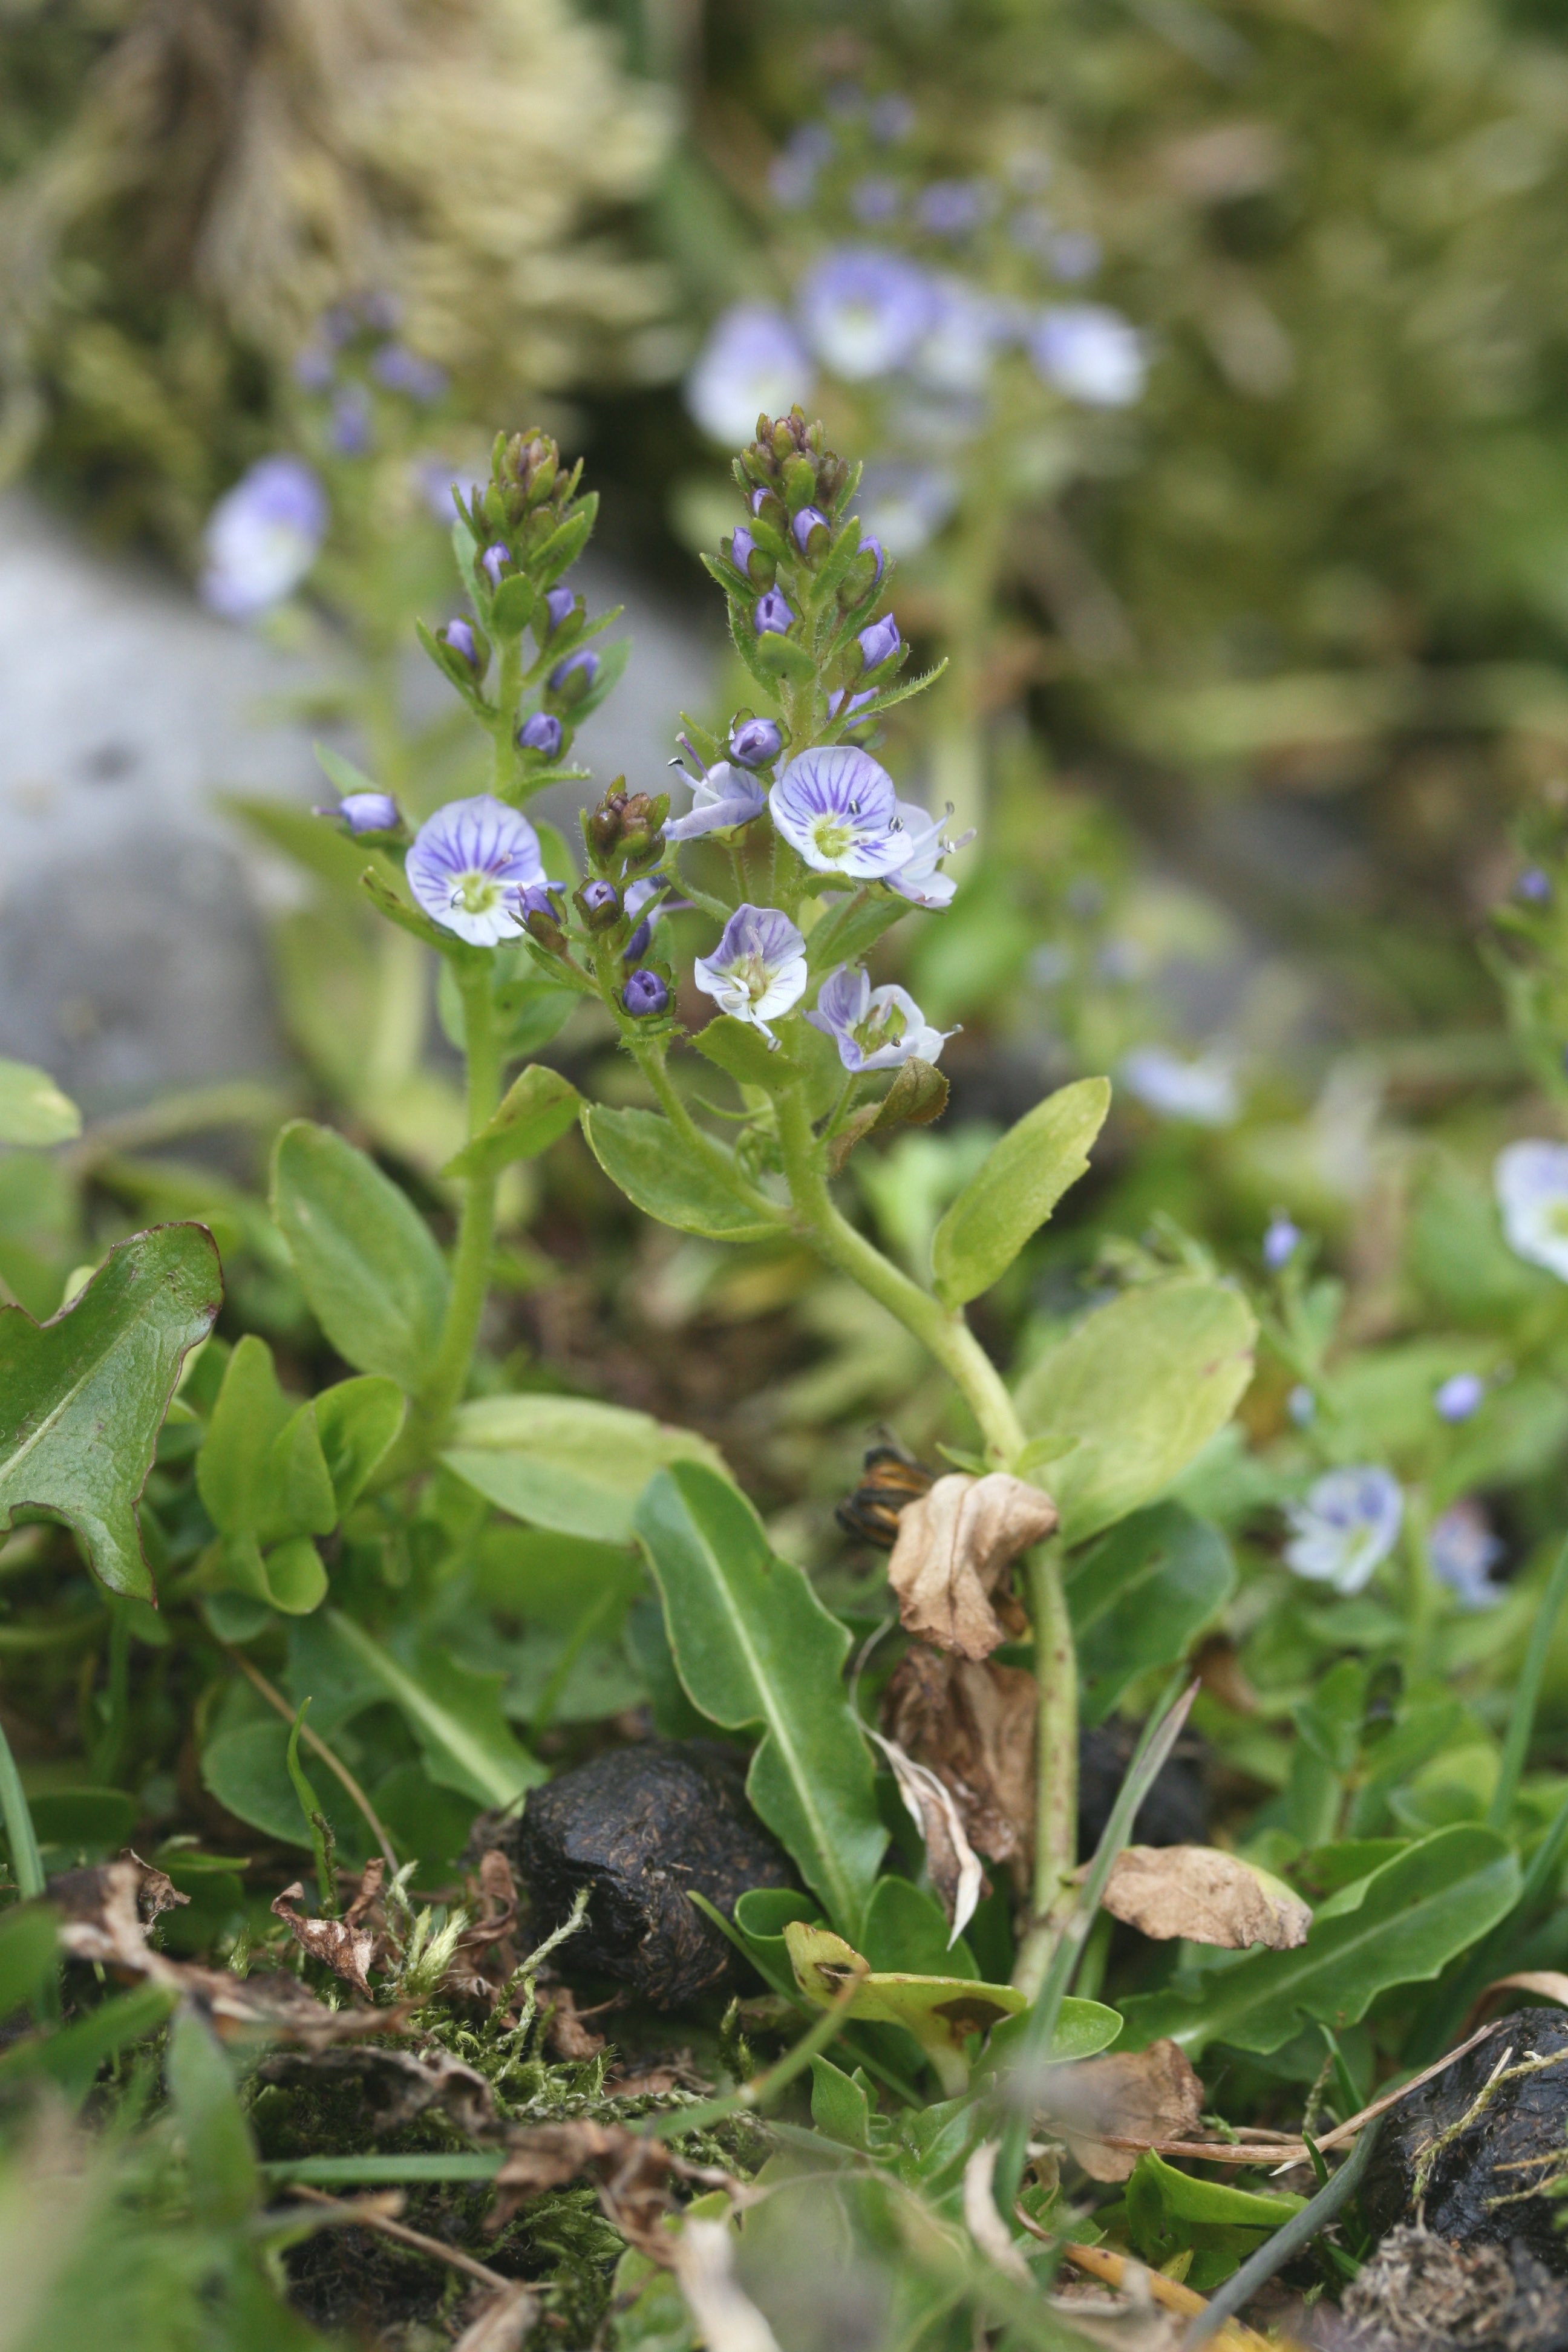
1210, 1897
1142, 2094
954, 1547
503, 2323
973, 1726
727, 2319
399, 2083
951, 1860
633, 2173
983, 2222
158, 1892
1548, 1984
568, 2036
347, 1950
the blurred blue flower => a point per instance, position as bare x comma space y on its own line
873, 1028
890, 119
725, 797
1074, 254
262, 538
366, 812
752, 365
1281, 1243
313, 368
1091, 353
1464, 1551
836, 806
1460, 1395
792, 176
1349, 1522
1203, 1091
956, 353
864, 310
876, 200
348, 429
757, 972
1301, 1405
1532, 1184
398, 369
920, 878
468, 864
1533, 885
906, 505
952, 208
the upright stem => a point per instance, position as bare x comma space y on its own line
1055, 1765
508, 687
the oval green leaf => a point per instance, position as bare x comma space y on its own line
567, 1462
367, 1263
662, 1175
1015, 1187
538, 1107
32, 1108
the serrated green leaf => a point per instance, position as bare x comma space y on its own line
536, 1109
744, 1053
1015, 1187
1143, 1384
1401, 1925
82, 1396
1139, 1595
567, 1462
33, 1111
661, 1174
367, 1263
756, 1651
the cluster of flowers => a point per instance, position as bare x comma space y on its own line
925, 319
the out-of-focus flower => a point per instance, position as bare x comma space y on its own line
725, 797
1460, 1395
313, 369
349, 428
773, 614
920, 878
955, 355
848, 704
1532, 1184
1533, 885
366, 812
792, 177
542, 733
1091, 353
906, 505
1464, 1551
952, 208
645, 995
398, 369
643, 897
751, 364
1074, 254
1280, 1242
1301, 1405
1203, 1091
262, 538
890, 119
436, 479
469, 865
757, 972
1349, 1522
865, 311
876, 200
836, 806
873, 1028
754, 742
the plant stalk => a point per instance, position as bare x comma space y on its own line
1055, 1765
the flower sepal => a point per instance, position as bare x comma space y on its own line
511, 606
917, 1096
460, 671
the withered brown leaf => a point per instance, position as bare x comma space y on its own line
569, 2037
954, 1547
1139, 2094
1210, 1897
973, 1725
952, 1861
345, 1945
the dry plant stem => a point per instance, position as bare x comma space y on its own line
1112, 2270
317, 1747
366, 2217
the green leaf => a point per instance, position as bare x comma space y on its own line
1015, 1188
295, 1575
26, 1953
455, 1715
32, 1108
841, 2106
1138, 1598
1143, 1384
905, 1930
567, 1462
1401, 1925
538, 1107
756, 1651
662, 1175
84, 1816
1083, 2028
82, 1396
221, 2170
941, 2012
388, 900
780, 656
356, 1420
261, 1471
71, 2058
511, 606
744, 1053
342, 775
365, 1260
245, 1770
1162, 2203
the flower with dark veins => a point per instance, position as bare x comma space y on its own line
723, 798
757, 972
873, 1028
469, 865
837, 807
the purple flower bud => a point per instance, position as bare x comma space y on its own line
742, 547
560, 604
754, 742
1280, 1244
772, 614
645, 995
809, 520
459, 635
879, 641
837, 704
1533, 887
758, 499
575, 676
369, 811
870, 546
1462, 1394
495, 561
600, 902
401, 370
541, 733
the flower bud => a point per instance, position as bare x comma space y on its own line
542, 733
598, 902
603, 826
811, 531
872, 547
799, 482
461, 638
879, 641
573, 679
772, 614
642, 827
645, 995
750, 560
367, 813
496, 561
525, 467
540, 918
754, 742
558, 605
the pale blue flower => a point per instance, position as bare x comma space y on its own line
953, 208
876, 200
1532, 1182
792, 176
1464, 1551
873, 1028
1075, 255
401, 370
891, 119
865, 311
751, 364
468, 865
1092, 353
757, 972
262, 538
725, 797
1281, 1243
1203, 1090
366, 813
1460, 1395
955, 355
920, 878
837, 807
1301, 1405
1533, 885
1349, 1522
906, 505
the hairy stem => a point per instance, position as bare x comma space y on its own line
1055, 1764
508, 688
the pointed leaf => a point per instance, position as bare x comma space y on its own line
365, 1258
662, 1175
32, 1108
538, 1107
1015, 1187
742, 1051
455, 1715
82, 1397
1143, 1385
756, 1651
567, 1462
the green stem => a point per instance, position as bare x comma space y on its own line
27, 1864
508, 688
1056, 1763
1421, 1595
